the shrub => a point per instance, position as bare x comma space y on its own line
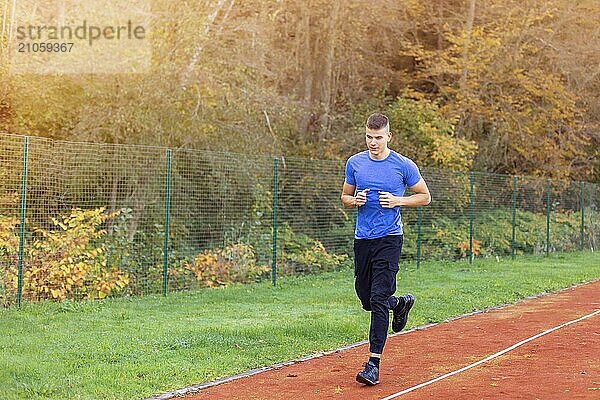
136, 255
448, 238
9, 249
303, 254
67, 262
221, 267
311, 260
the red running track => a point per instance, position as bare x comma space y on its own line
562, 364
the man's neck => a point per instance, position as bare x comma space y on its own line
381, 156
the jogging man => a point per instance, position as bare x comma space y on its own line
375, 183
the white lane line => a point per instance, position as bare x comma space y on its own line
514, 346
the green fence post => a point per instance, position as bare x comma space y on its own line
275, 198
419, 222
167, 221
582, 215
23, 209
471, 205
514, 219
548, 217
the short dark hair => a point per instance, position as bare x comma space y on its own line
377, 121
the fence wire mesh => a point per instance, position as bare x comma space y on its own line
83, 220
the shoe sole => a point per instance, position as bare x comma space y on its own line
367, 382
409, 304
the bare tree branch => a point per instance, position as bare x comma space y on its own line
207, 27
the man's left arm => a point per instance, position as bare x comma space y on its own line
420, 197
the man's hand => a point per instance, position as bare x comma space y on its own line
388, 200
361, 198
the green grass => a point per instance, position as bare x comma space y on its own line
132, 348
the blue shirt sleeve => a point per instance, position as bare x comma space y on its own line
412, 175
350, 174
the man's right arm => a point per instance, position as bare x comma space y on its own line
351, 201
348, 199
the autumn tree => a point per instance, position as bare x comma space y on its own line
496, 74
288, 77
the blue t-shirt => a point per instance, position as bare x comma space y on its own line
392, 174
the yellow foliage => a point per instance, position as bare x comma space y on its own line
500, 79
428, 137
67, 262
9, 239
464, 247
221, 267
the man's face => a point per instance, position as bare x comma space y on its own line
377, 141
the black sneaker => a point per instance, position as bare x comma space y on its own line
370, 375
401, 312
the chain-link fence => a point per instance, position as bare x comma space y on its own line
83, 220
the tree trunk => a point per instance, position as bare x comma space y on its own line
112, 205
307, 73
198, 51
465, 65
328, 73
468, 34
139, 203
